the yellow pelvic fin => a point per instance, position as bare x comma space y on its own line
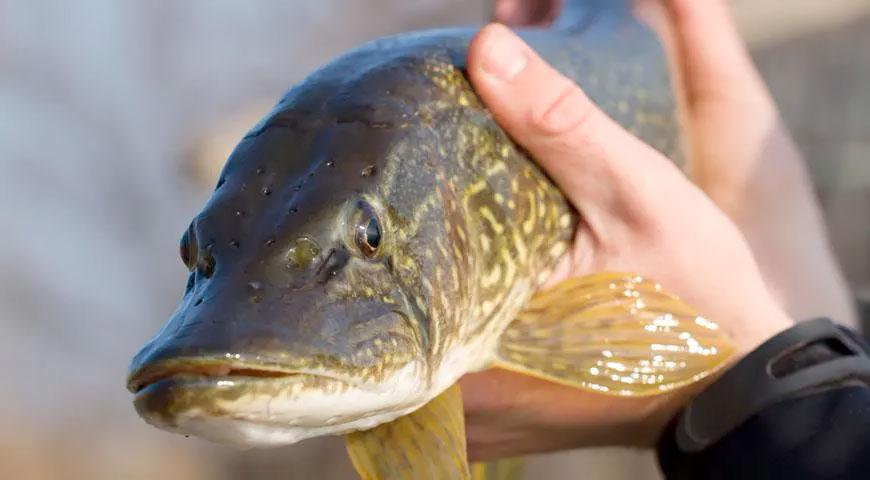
427, 444
614, 333
505, 469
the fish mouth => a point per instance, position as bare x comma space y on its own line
251, 404
200, 371
172, 393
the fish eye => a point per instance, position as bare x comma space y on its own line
367, 231
187, 249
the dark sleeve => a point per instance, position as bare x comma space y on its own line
824, 435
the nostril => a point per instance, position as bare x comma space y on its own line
205, 265
335, 261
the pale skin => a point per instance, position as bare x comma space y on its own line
739, 235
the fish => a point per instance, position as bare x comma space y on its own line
377, 235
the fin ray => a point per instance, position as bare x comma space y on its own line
615, 333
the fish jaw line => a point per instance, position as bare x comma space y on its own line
253, 412
218, 369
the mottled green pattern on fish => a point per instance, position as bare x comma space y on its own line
291, 312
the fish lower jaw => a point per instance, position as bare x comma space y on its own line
252, 434
269, 412
259, 416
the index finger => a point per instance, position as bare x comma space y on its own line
712, 56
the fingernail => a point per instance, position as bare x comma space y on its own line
505, 54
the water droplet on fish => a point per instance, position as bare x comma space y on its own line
368, 171
240, 213
330, 163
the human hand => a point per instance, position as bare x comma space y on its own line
639, 213
739, 151
741, 154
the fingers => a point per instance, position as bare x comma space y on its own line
714, 61
526, 12
594, 161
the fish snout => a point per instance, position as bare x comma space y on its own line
308, 331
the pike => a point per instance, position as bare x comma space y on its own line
377, 235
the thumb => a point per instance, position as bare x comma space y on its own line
602, 169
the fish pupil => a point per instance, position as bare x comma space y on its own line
368, 236
373, 234
367, 233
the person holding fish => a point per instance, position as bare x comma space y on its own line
383, 233
795, 402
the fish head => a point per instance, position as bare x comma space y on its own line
310, 307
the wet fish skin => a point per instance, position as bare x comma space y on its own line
285, 306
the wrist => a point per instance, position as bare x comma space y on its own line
759, 325
810, 357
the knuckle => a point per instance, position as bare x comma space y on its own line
566, 111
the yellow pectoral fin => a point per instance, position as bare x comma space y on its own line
614, 333
427, 444
506, 469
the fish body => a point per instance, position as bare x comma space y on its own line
376, 235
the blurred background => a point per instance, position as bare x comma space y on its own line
114, 118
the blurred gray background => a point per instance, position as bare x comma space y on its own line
115, 115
